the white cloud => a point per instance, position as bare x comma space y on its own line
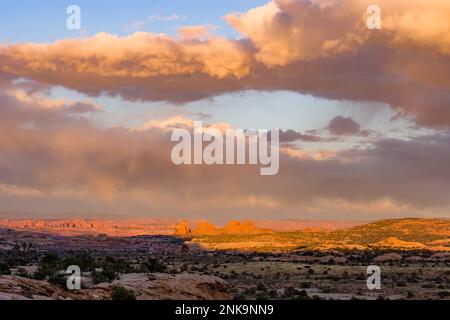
170, 18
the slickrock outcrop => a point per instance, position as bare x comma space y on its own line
173, 287
393, 242
388, 257
333, 259
145, 287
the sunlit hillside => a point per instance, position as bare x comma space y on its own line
404, 234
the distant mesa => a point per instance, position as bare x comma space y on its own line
112, 228
157, 226
204, 227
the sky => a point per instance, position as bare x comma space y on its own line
28, 20
86, 115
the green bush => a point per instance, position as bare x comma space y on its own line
119, 265
111, 268
83, 260
106, 275
122, 294
19, 255
4, 269
48, 268
154, 266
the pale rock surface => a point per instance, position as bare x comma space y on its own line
156, 287
388, 257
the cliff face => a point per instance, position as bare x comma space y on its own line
71, 227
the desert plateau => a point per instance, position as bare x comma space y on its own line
239, 260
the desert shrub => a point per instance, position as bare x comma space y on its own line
250, 291
290, 291
273, 294
4, 269
83, 260
412, 280
401, 283
184, 267
302, 295
239, 296
155, 266
120, 293
119, 265
110, 270
28, 294
19, 255
48, 268
104, 275
261, 287
262, 296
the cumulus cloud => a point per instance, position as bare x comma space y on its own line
140, 55
317, 47
199, 32
285, 31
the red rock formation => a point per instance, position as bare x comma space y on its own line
182, 229
72, 227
